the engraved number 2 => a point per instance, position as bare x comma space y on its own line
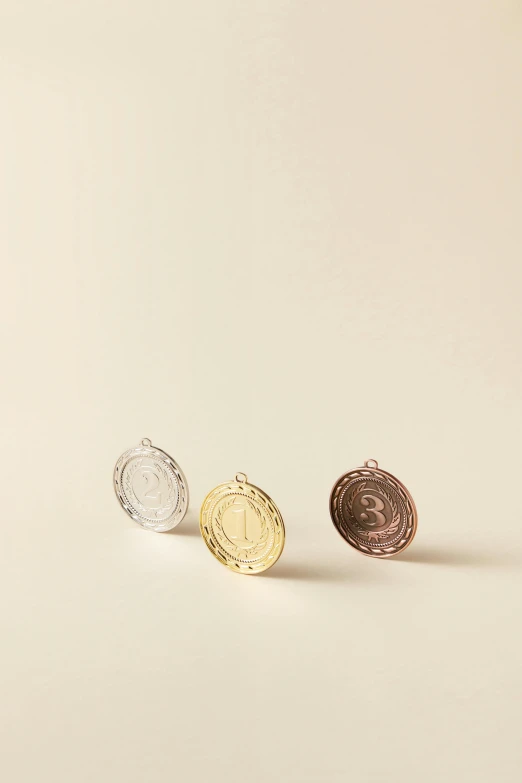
377, 509
240, 520
151, 479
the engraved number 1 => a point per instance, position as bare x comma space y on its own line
240, 519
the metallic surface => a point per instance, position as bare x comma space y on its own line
242, 526
373, 511
151, 487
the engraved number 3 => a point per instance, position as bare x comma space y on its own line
377, 509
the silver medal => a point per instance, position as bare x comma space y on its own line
151, 487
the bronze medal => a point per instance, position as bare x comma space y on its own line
373, 511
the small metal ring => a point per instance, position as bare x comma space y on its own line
146, 442
374, 466
241, 478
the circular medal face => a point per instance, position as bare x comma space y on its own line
151, 487
242, 526
373, 511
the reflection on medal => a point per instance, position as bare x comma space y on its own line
373, 511
242, 526
151, 487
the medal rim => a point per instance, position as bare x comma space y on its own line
217, 553
386, 473
179, 512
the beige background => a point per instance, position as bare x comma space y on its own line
278, 237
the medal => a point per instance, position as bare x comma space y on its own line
373, 511
151, 487
242, 526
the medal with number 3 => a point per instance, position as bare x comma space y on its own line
373, 511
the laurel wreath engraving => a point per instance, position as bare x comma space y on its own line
238, 551
168, 506
375, 535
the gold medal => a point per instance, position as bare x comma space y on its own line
242, 526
